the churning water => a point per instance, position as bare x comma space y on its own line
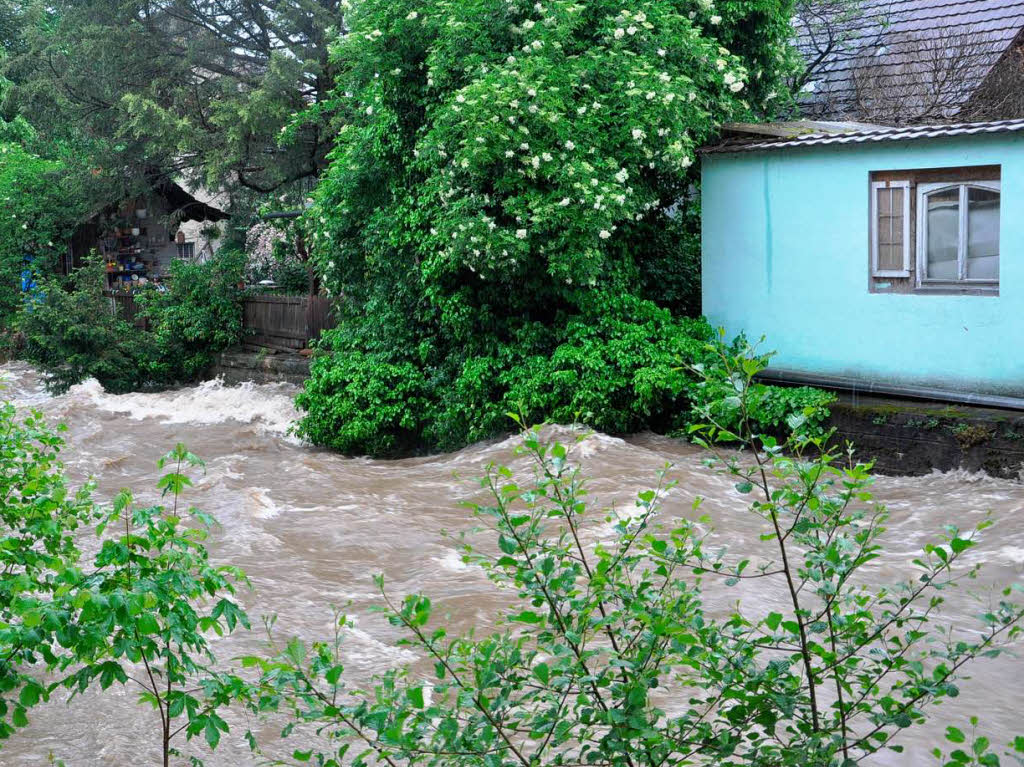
311, 529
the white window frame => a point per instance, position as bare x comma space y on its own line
961, 257
875, 186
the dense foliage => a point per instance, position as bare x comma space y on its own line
608, 656
197, 316
620, 367
178, 86
510, 193
40, 516
72, 331
38, 215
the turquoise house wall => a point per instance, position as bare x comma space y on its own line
785, 255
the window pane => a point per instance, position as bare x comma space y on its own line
982, 234
943, 212
890, 229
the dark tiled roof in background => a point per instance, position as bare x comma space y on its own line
862, 136
900, 38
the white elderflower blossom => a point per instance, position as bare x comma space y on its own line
535, 161
532, 109
546, 157
729, 78
638, 134
509, 153
631, 30
369, 110
480, 139
720, 64
569, 145
650, 95
520, 234
620, 33
736, 87
537, 44
716, 20
565, 202
460, 98
687, 162
581, 110
525, 147
529, 24
514, 103
622, 176
605, 234
691, 96
662, 52
412, 16
665, 77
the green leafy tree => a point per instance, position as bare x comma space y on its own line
180, 86
607, 655
150, 604
510, 169
40, 562
38, 214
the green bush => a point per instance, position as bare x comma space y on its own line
622, 365
40, 518
139, 614
72, 332
199, 315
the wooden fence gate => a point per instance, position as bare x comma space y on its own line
285, 323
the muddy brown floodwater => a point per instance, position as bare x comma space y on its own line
311, 529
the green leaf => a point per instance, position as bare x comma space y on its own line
415, 695
773, 620
954, 735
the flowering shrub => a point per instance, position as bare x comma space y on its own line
506, 164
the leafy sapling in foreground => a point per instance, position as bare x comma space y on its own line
863, 662
609, 657
152, 603
40, 562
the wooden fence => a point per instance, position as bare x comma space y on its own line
124, 306
282, 323
285, 323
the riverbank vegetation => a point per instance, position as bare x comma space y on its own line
70, 333
511, 213
620, 652
506, 205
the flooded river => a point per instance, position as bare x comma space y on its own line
312, 528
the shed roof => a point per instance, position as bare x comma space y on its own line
819, 134
901, 39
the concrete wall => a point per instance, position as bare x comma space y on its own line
786, 255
